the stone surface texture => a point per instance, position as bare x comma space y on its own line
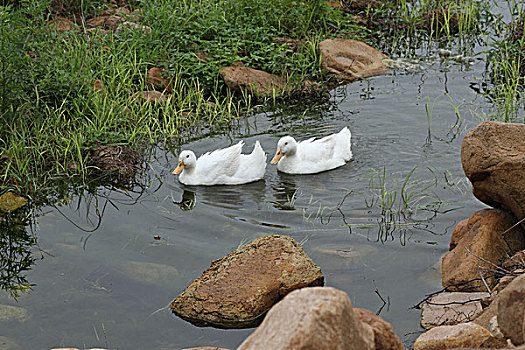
451, 308
312, 318
351, 59
493, 158
511, 310
384, 336
484, 238
239, 288
463, 335
258, 82
11, 202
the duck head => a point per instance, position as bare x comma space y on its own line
187, 160
285, 147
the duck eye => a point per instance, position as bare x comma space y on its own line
285, 143
187, 156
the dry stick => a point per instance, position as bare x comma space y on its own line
510, 228
483, 280
497, 268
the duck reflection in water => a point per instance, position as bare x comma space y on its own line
188, 200
285, 193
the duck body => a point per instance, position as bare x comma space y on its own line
313, 156
226, 166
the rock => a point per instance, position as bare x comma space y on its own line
11, 202
463, 335
151, 273
110, 23
10, 313
459, 232
351, 59
156, 78
134, 26
8, 344
98, 85
239, 288
312, 318
451, 308
511, 310
61, 24
151, 96
484, 239
258, 82
517, 261
384, 336
493, 158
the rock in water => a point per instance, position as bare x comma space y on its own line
493, 158
451, 308
351, 59
464, 335
482, 244
511, 310
384, 336
312, 318
239, 288
11, 202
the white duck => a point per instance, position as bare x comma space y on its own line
313, 156
226, 166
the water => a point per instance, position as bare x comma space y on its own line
103, 280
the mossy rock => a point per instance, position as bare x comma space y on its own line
11, 202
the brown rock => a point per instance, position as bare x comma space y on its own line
511, 310
312, 318
156, 78
61, 24
351, 59
463, 335
259, 82
11, 202
484, 238
459, 231
151, 96
384, 336
517, 261
110, 23
451, 308
493, 158
239, 288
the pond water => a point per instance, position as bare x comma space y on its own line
105, 281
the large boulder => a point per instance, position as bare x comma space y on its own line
487, 241
384, 336
259, 82
511, 310
463, 335
351, 59
493, 158
239, 288
312, 318
451, 308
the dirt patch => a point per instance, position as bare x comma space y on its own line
115, 162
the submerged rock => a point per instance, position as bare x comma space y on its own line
463, 335
11, 202
351, 59
8, 344
481, 243
493, 158
451, 308
511, 311
312, 318
239, 288
9, 313
384, 336
148, 272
